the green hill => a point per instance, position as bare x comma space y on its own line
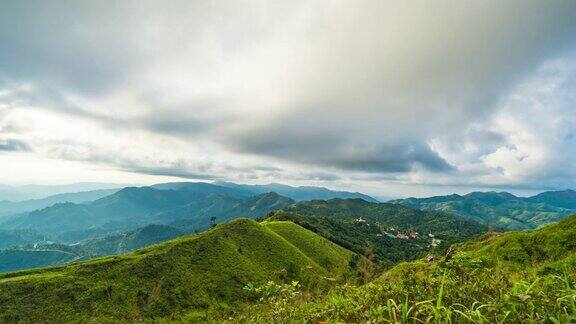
517, 277
371, 229
187, 278
501, 209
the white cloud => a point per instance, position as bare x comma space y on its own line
532, 133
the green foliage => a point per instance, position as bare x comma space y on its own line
337, 220
190, 278
272, 290
483, 281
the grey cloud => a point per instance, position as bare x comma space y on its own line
96, 47
321, 176
355, 110
14, 145
77, 45
336, 152
177, 168
169, 171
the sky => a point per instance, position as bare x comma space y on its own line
391, 98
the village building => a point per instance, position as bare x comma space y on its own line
360, 220
435, 242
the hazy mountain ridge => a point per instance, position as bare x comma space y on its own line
34, 192
133, 207
10, 238
563, 199
501, 209
301, 193
11, 208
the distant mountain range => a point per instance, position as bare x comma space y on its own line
11, 207
75, 226
301, 193
83, 225
29, 192
186, 204
501, 209
133, 207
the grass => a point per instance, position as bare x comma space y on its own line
322, 252
190, 278
514, 277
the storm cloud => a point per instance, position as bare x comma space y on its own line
416, 93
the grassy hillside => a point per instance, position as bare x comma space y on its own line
516, 277
501, 209
187, 278
321, 251
338, 220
